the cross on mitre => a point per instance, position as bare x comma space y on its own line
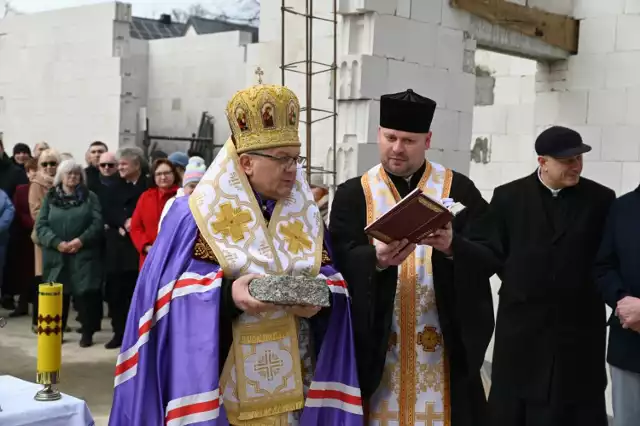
259, 73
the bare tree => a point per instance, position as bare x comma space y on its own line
240, 11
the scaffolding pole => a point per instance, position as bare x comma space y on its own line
309, 73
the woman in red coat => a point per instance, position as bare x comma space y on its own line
146, 217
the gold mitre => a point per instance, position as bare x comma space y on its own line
264, 116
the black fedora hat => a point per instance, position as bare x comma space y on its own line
560, 142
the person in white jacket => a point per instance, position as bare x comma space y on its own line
193, 173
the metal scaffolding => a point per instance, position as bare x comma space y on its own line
320, 68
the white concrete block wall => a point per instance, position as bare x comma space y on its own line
59, 79
378, 56
508, 124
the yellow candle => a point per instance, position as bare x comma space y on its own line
49, 333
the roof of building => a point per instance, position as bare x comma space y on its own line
152, 29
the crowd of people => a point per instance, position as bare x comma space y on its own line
88, 227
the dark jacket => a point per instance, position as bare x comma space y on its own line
82, 271
550, 327
118, 204
617, 273
10, 175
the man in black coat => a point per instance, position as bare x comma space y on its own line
617, 273
422, 315
548, 360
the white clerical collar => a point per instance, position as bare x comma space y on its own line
554, 192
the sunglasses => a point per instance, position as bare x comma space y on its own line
49, 164
107, 165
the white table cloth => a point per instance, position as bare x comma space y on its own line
20, 409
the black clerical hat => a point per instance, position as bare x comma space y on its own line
560, 142
407, 111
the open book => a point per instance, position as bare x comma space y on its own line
414, 217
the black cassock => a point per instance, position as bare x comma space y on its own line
463, 294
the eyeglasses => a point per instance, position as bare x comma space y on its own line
107, 165
286, 162
49, 164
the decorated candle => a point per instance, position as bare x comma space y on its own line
49, 333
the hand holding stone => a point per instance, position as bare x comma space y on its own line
243, 299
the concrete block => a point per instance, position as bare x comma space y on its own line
620, 143
606, 173
490, 120
630, 177
632, 7
362, 77
633, 106
454, 18
461, 93
390, 36
457, 160
628, 32
504, 148
357, 34
592, 136
445, 129
528, 89
573, 107
621, 69
465, 129
450, 49
387, 7
429, 82
597, 8
520, 119
358, 121
427, 11
598, 35
508, 90
486, 176
428, 35
607, 107
587, 71
404, 8
547, 108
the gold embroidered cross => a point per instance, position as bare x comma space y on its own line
296, 237
232, 222
259, 73
430, 416
269, 365
384, 416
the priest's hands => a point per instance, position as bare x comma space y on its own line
441, 239
628, 311
392, 254
243, 299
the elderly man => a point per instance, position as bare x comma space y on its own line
196, 336
121, 261
423, 314
548, 359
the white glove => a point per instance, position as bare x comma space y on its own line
447, 202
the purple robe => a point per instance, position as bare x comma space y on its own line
168, 370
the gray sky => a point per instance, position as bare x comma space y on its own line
145, 8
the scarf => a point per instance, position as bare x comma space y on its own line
61, 199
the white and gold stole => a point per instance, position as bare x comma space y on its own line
415, 383
262, 380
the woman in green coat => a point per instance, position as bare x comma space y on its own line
70, 230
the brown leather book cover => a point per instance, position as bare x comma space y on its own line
414, 218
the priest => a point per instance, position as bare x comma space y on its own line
199, 348
423, 314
